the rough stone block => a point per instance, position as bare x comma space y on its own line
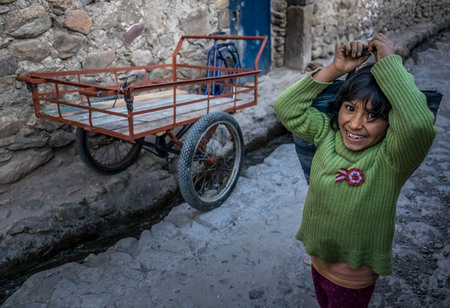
300, 2
99, 60
29, 22
8, 66
224, 19
66, 44
133, 33
79, 21
298, 37
23, 163
9, 126
33, 50
196, 22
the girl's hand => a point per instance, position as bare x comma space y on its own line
348, 57
381, 47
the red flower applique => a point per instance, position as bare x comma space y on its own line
354, 176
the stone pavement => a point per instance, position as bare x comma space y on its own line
239, 255
243, 254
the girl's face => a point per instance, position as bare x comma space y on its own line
358, 127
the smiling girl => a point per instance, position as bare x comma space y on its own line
375, 134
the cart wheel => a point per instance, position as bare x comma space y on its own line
210, 161
105, 154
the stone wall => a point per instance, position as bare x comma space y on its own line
326, 24
279, 9
337, 21
56, 35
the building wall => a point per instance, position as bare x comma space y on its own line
279, 9
337, 21
333, 22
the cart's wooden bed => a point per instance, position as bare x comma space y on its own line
84, 98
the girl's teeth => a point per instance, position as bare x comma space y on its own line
355, 136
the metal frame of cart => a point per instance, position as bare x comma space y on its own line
118, 116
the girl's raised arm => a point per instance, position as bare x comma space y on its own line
348, 57
411, 131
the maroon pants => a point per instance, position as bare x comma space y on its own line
330, 295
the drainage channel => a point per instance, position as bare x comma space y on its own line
119, 231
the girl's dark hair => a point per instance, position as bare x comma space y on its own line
360, 86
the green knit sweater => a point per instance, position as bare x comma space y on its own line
355, 224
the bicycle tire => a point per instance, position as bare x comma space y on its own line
229, 62
105, 154
223, 60
210, 161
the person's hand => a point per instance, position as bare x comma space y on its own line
381, 47
348, 57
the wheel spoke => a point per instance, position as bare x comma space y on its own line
212, 156
108, 150
213, 176
105, 154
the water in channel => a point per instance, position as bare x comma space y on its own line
112, 234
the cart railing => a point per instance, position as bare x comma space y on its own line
96, 100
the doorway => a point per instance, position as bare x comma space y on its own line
252, 18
